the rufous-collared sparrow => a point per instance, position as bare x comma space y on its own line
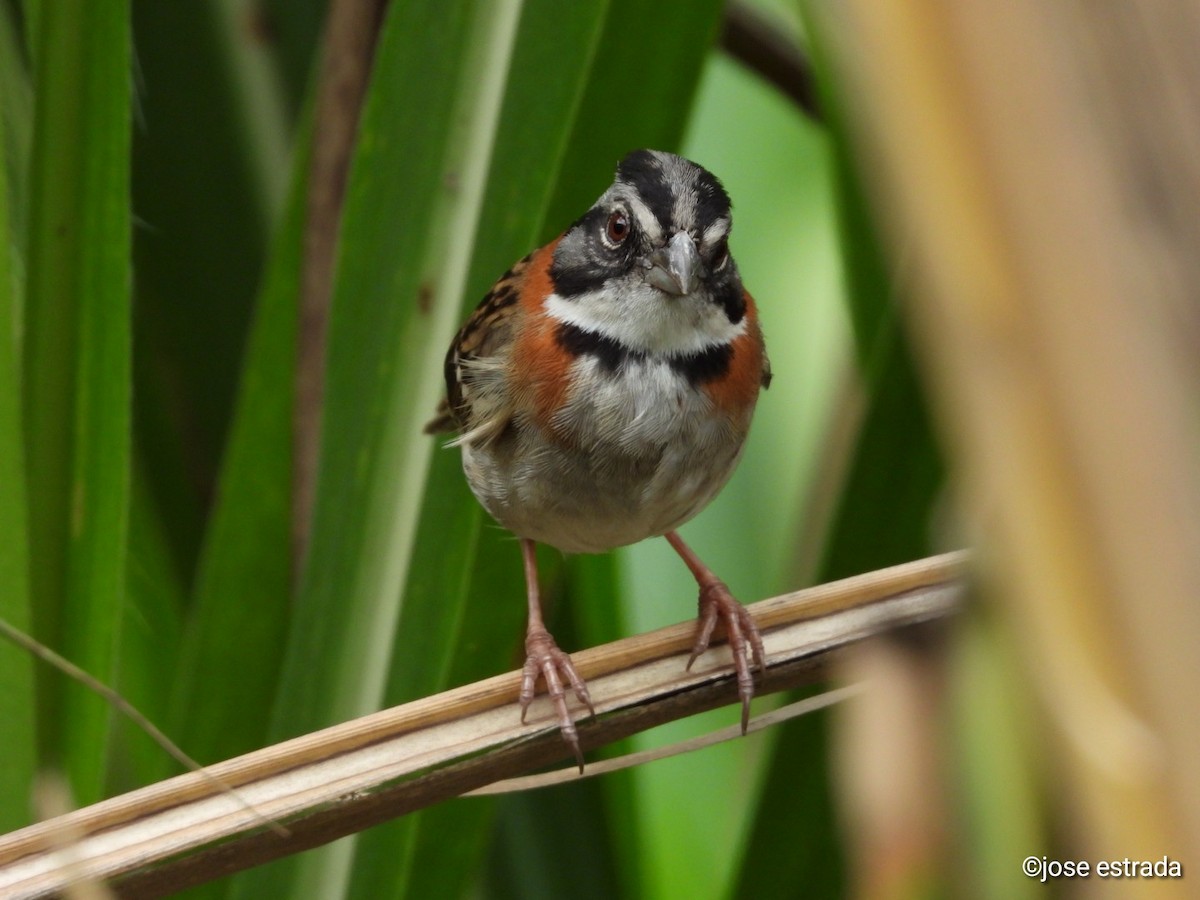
602, 392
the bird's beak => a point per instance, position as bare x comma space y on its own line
675, 268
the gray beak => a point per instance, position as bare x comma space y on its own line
675, 268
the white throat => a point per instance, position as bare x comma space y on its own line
643, 318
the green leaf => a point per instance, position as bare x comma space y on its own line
77, 382
16, 110
645, 73
16, 666
203, 210
234, 639
795, 820
896, 464
998, 779
557, 842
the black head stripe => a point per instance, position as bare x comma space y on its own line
662, 179
711, 200
643, 172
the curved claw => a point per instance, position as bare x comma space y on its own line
716, 602
544, 658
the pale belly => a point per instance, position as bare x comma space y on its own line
645, 454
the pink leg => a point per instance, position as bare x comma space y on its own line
542, 657
716, 602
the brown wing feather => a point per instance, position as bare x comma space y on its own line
485, 334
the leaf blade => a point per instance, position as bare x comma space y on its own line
77, 366
17, 708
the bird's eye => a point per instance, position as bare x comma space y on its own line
617, 228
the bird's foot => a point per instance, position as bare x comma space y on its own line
717, 603
544, 659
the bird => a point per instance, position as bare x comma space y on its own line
602, 392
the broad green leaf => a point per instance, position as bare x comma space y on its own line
557, 842
16, 112
77, 379
896, 464
234, 639
896, 467
31, 13
796, 820
203, 211
644, 76
16, 666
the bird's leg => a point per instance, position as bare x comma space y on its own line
542, 657
716, 602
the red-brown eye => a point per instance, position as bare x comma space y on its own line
618, 227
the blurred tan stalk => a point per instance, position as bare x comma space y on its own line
1039, 163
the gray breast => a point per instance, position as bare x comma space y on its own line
638, 452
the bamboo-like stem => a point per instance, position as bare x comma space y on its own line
183, 831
